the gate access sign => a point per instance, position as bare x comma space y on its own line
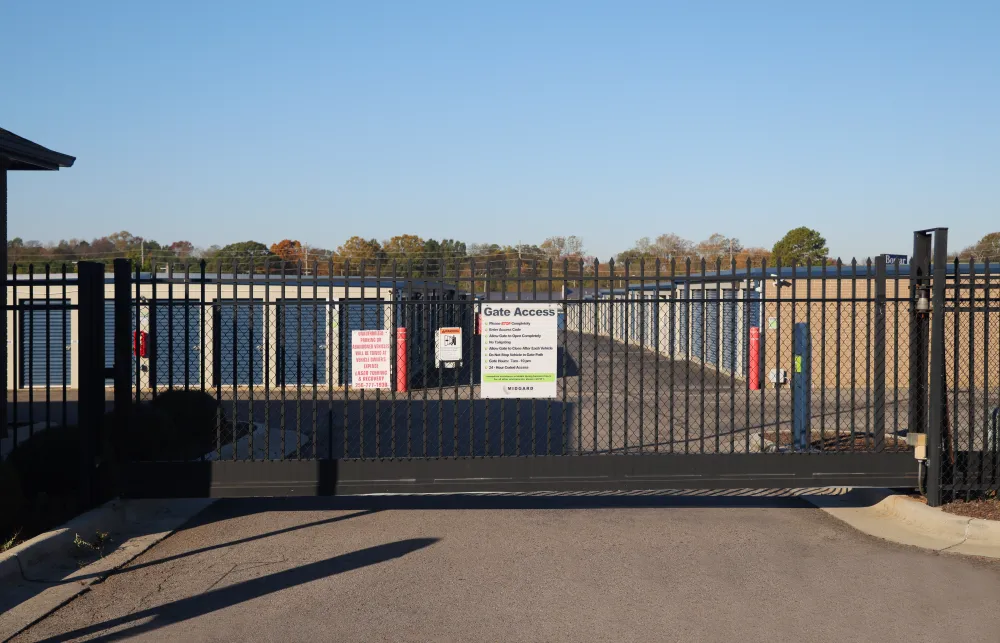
519, 350
370, 351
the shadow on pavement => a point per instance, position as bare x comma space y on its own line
361, 506
209, 516
154, 618
720, 498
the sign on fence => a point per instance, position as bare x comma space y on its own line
448, 347
519, 355
370, 359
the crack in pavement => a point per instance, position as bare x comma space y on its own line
965, 536
221, 578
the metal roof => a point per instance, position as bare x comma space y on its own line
26, 155
846, 271
513, 296
372, 283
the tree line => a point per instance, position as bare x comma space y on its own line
414, 255
406, 252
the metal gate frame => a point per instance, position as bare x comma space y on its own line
573, 471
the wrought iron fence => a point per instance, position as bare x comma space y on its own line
970, 453
40, 377
656, 359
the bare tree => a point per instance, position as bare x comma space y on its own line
719, 246
670, 246
562, 247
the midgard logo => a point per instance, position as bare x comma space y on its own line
519, 312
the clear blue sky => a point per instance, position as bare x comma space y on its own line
505, 121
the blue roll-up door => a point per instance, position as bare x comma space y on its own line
109, 338
683, 321
698, 323
302, 341
46, 349
712, 327
361, 316
240, 337
175, 336
729, 330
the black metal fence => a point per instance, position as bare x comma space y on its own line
658, 364
667, 376
970, 452
680, 375
40, 350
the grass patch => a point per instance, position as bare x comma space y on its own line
11, 542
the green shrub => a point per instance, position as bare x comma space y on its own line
192, 417
40, 480
146, 431
175, 425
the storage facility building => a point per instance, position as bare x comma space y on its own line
224, 330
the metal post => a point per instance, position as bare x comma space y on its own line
91, 373
4, 164
937, 385
122, 370
878, 376
919, 333
801, 386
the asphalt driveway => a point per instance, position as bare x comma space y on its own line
638, 568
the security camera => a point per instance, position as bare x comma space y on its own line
778, 283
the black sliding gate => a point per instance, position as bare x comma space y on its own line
670, 375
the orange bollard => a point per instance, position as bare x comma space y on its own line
402, 383
753, 367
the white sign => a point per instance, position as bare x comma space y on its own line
370, 359
519, 349
448, 347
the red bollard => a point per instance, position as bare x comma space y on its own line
402, 383
753, 367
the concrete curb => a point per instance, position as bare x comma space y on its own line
46, 572
20, 560
897, 518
